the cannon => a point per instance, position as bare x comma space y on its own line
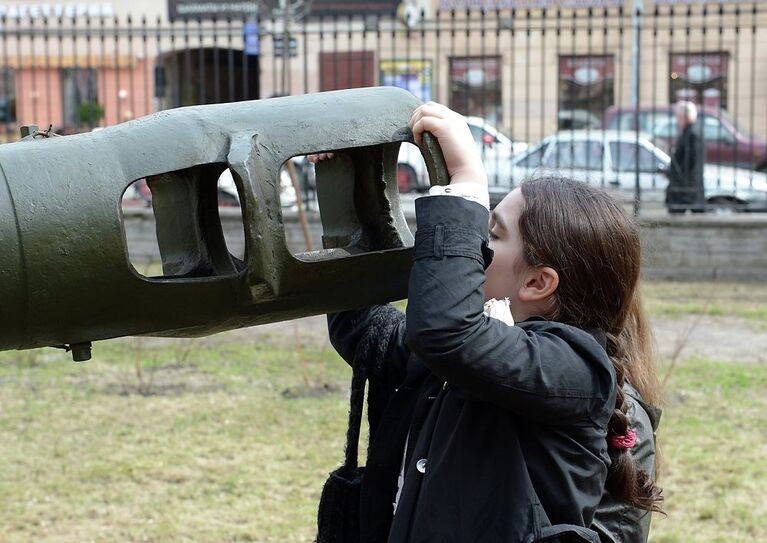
65, 275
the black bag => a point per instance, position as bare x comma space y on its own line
338, 516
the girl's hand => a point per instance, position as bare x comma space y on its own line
464, 164
314, 159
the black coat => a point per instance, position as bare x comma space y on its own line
685, 187
506, 425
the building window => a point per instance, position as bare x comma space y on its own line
7, 95
347, 70
586, 90
412, 75
80, 100
699, 78
475, 87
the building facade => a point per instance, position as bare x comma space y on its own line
530, 67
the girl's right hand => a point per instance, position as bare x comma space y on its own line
318, 157
462, 158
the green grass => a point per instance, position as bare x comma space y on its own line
714, 445
222, 447
232, 440
714, 299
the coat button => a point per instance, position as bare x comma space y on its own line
421, 465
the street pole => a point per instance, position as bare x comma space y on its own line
285, 8
636, 54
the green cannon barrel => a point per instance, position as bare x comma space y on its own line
65, 275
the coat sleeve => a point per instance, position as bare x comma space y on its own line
678, 161
374, 337
546, 371
691, 154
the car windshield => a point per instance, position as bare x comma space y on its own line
662, 124
657, 123
477, 131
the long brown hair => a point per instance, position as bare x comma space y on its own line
584, 234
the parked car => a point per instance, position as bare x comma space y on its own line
496, 148
609, 158
138, 194
725, 142
577, 119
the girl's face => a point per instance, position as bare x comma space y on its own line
505, 275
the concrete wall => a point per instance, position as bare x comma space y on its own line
706, 247
689, 247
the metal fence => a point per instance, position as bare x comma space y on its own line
588, 92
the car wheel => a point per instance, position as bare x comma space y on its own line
407, 180
725, 205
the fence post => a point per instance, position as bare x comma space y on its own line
636, 29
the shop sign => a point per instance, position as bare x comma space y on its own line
353, 7
496, 5
409, 74
323, 8
57, 10
710, 2
252, 40
209, 9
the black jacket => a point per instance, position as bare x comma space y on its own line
506, 425
685, 187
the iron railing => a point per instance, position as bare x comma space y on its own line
548, 88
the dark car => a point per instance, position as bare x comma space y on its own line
725, 142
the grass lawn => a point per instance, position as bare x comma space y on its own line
197, 440
742, 300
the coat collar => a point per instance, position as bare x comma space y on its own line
597, 334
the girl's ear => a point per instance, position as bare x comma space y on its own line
540, 284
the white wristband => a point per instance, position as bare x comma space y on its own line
470, 191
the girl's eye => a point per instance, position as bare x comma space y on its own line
491, 235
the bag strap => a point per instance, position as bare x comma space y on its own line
356, 401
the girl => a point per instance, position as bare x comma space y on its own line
481, 431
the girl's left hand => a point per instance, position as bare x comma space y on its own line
462, 158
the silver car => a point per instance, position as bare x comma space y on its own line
621, 159
496, 149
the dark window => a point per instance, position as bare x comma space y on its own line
533, 160
7, 95
80, 90
475, 87
699, 78
347, 70
586, 90
476, 133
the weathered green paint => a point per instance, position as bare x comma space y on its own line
65, 277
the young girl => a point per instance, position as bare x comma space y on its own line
481, 431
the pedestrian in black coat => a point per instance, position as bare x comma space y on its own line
685, 175
485, 430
